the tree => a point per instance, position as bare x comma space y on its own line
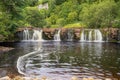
100, 14
61, 22
35, 17
72, 17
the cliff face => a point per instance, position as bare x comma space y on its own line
108, 34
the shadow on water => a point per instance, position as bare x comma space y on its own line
64, 59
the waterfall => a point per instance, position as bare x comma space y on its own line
57, 36
98, 35
91, 35
83, 36
87, 35
26, 34
37, 35
69, 36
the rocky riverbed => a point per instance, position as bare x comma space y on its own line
45, 78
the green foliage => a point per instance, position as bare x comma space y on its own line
72, 17
42, 1
35, 17
61, 22
12, 15
51, 5
100, 14
75, 25
52, 19
58, 2
4, 22
54, 26
61, 13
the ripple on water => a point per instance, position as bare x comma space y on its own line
68, 61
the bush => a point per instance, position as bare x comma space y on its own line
75, 25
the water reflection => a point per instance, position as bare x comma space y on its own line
96, 60
66, 59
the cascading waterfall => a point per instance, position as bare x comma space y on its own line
57, 36
37, 35
26, 35
83, 38
98, 35
91, 35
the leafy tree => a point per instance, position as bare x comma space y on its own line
58, 2
93, 13
52, 19
61, 22
12, 16
116, 22
51, 6
35, 17
99, 14
72, 17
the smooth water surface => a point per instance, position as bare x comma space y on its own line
62, 60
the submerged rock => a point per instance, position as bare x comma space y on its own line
5, 49
74, 78
89, 78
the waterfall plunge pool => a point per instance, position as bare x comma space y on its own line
62, 60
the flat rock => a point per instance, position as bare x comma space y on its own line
5, 49
5, 78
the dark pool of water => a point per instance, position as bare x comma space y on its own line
64, 59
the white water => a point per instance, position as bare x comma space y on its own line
26, 35
90, 35
37, 35
21, 63
57, 36
93, 35
98, 35
83, 38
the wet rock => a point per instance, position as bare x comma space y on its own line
5, 78
84, 79
88, 78
98, 79
3, 73
108, 79
44, 78
18, 78
5, 49
74, 78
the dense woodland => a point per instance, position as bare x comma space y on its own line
61, 13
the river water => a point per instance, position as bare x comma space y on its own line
62, 60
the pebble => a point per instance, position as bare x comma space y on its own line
74, 78
5, 78
108, 79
